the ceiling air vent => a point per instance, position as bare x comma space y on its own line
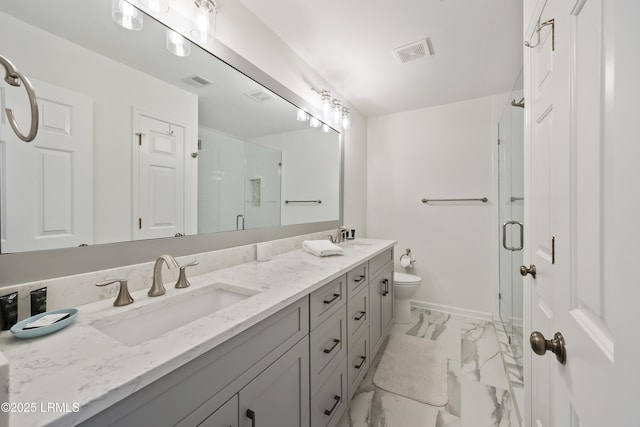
412, 51
196, 81
260, 95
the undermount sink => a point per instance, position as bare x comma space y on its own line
140, 324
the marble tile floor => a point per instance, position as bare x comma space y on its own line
479, 390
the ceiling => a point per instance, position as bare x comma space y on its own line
477, 47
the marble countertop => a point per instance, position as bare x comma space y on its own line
67, 377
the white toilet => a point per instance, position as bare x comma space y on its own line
404, 287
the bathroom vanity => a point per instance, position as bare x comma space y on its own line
289, 351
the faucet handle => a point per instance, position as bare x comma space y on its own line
124, 297
182, 278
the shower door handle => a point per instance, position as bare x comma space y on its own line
504, 236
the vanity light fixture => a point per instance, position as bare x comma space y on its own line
333, 109
126, 15
177, 44
205, 20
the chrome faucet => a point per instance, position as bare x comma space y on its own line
340, 235
157, 287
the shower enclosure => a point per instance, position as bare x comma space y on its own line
511, 215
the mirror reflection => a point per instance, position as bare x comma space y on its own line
136, 142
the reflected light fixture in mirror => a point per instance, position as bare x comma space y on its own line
302, 116
177, 44
204, 20
158, 5
126, 15
314, 122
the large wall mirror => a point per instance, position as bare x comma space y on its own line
137, 143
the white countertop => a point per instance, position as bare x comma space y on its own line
86, 371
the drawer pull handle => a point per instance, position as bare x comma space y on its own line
335, 297
335, 344
252, 416
362, 313
335, 404
385, 291
358, 366
359, 278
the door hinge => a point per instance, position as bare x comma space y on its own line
499, 296
139, 223
553, 249
509, 339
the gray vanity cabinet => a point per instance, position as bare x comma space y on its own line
380, 300
225, 416
279, 396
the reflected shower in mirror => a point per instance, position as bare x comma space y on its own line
137, 143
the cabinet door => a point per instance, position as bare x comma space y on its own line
386, 282
279, 396
376, 289
224, 416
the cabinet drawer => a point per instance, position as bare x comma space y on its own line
357, 279
358, 362
328, 405
225, 416
328, 345
357, 314
379, 261
326, 300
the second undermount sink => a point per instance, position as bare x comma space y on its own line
140, 324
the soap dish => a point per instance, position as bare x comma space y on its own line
19, 331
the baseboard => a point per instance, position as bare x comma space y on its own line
452, 310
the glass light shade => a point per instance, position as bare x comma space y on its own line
126, 15
325, 95
302, 116
346, 118
158, 5
204, 21
177, 44
325, 128
337, 113
314, 122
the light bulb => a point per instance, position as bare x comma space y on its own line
204, 20
337, 111
325, 95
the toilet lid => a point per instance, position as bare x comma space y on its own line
405, 279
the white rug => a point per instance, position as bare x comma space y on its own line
415, 368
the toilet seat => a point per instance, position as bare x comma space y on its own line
404, 279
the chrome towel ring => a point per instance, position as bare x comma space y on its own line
14, 78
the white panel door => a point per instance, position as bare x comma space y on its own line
160, 192
570, 79
47, 184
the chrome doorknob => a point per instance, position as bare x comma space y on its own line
531, 270
540, 345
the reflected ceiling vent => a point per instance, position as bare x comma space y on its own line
412, 51
260, 95
196, 81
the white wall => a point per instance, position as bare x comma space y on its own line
438, 152
54, 60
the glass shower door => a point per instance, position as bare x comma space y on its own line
511, 215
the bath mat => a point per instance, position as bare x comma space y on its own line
415, 368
